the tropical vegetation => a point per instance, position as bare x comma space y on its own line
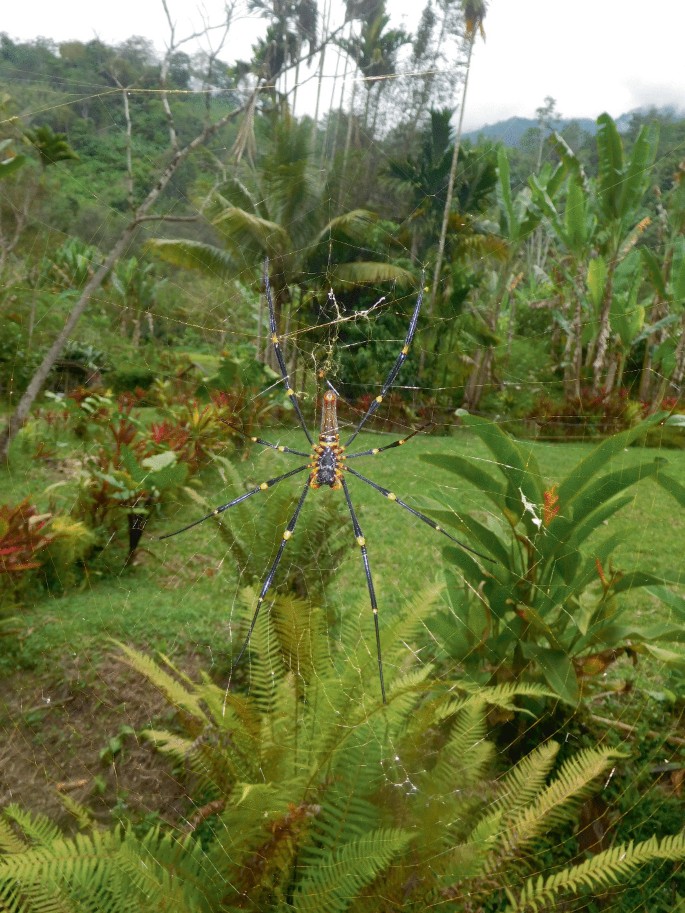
530, 753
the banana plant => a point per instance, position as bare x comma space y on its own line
552, 604
518, 218
600, 221
666, 277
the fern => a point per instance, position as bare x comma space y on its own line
557, 803
600, 872
342, 873
107, 870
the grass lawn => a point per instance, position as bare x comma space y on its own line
181, 593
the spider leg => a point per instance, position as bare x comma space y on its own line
391, 496
394, 371
259, 440
375, 450
248, 494
272, 570
361, 541
279, 355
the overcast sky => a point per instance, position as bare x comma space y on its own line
590, 55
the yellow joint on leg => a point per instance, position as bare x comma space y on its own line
281, 448
290, 392
376, 450
264, 486
391, 496
286, 535
405, 350
361, 540
274, 339
379, 399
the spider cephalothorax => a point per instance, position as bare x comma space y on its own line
327, 456
328, 467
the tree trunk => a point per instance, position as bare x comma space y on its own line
679, 358
450, 184
603, 336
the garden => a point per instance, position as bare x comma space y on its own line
448, 671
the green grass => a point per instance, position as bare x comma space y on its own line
181, 597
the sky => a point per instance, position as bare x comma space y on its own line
589, 55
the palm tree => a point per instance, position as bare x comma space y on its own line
281, 210
374, 52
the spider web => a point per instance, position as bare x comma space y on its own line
67, 704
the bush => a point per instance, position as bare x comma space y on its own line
131, 379
549, 606
592, 415
38, 549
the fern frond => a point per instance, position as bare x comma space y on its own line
558, 802
337, 877
266, 666
301, 630
173, 690
613, 866
466, 753
10, 841
83, 816
38, 830
521, 784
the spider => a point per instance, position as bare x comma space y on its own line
328, 466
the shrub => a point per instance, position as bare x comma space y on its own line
550, 605
131, 379
591, 415
38, 549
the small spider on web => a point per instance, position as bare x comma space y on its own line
328, 466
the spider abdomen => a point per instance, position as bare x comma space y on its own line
327, 466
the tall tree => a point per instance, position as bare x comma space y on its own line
474, 14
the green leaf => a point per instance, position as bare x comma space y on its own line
638, 173
508, 221
195, 255
372, 272
9, 165
519, 468
672, 600
575, 218
584, 471
469, 470
610, 166
596, 279
675, 488
557, 669
159, 460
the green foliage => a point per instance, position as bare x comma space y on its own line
43, 870
118, 484
317, 791
313, 555
552, 604
17, 364
590, 416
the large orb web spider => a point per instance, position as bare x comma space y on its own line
328, 467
